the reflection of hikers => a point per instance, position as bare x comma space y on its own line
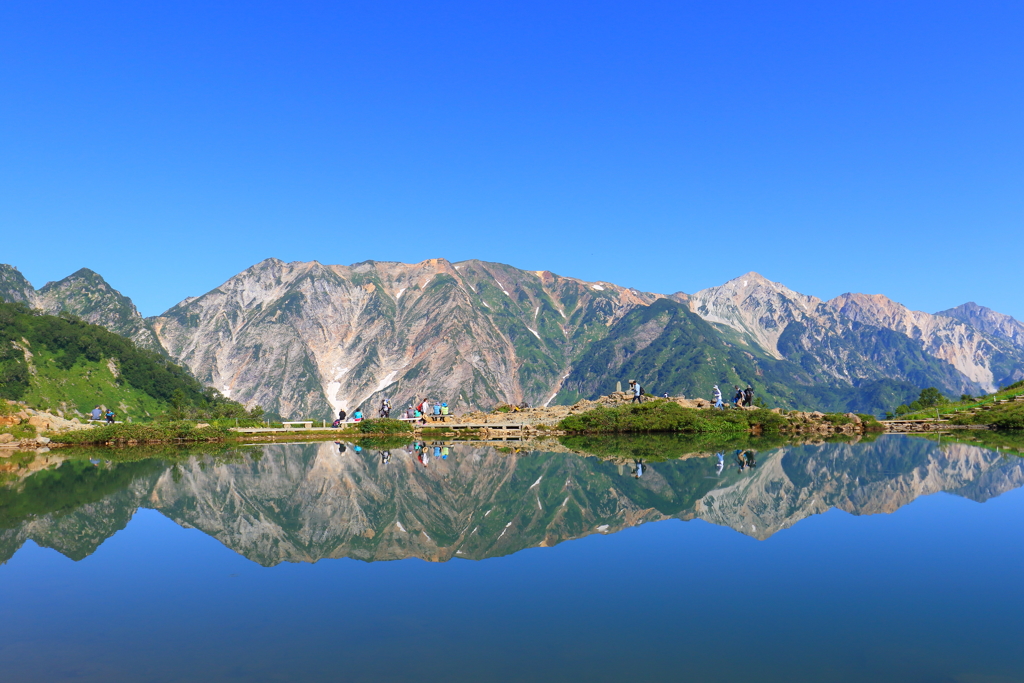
721, 463
748, 396
740, 460
638, 391
385, 457
749, 456
716, 394
638, 468
341, 446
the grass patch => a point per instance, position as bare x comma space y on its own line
668, 416
384, 426
153, 432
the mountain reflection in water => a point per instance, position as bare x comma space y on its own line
305, 502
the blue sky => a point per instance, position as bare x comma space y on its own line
833, 146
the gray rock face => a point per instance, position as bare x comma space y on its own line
840, 335
989, 322
309, 339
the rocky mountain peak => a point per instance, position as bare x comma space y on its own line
755, 306
14, 288
988, 321
85, 294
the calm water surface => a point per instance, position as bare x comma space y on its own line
896, 560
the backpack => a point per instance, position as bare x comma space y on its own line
642, 392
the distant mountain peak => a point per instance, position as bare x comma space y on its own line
754, 305
988, 321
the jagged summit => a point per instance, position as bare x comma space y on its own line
988, 321
755, 306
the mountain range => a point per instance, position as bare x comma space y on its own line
306, 502
305, 339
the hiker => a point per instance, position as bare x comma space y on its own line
410, 412
748, 396
444, 409
717, 397
357, 416
638, 391
97, 413
385, 408
437, 409
738, 398
110, 417
342, 415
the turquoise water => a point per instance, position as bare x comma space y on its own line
896, 560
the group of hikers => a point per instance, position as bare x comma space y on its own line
420, 411
427, 408
98, 415
742, 397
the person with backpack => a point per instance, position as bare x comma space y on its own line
748, 396
638, 391
738, 398
110, 417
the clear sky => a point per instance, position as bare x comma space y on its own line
834, 146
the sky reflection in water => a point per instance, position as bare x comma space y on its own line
805, 592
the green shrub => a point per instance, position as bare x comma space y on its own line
384, 426
837, 419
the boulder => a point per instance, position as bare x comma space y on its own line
40, 421
42, 440
854, 418
6, 438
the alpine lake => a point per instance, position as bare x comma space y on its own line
644, 558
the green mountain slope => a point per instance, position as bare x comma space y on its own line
670, 349
65, 364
